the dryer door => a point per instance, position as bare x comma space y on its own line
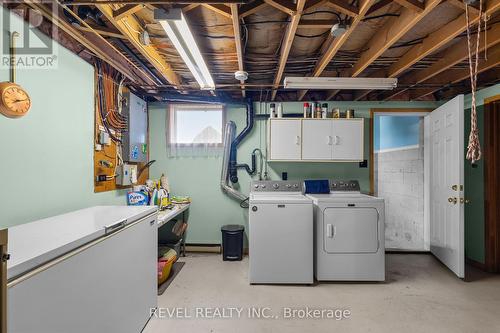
350, 230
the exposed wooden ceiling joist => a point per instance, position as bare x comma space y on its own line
379, 5
251, 8
316, 24
452, 76
219, 9
283, 5
287, 45
392, 31
460, 4
411, 4
343, 7
452, 56
126, 10
189, 7
337, 43
237, 41
127, 27
102, 31
313, 4
96, 44
431, 43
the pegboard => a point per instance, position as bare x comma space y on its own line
109, 154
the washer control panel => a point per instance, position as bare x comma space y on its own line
276, 186
343, 185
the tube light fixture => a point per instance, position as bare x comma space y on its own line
357, 83
179, 33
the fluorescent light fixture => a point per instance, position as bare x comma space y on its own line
351, 83
183, 40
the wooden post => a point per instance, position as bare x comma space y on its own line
3, 281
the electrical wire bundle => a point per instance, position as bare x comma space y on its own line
108, 94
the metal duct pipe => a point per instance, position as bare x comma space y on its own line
233, 166
229, 133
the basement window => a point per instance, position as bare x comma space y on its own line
195, 130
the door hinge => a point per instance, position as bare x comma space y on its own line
5, 257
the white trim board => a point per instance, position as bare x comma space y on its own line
388, 150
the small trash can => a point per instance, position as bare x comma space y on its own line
232, 242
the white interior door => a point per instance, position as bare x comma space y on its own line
317, 139
446, 178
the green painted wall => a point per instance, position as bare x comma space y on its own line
46, 157
474, 191
200, 177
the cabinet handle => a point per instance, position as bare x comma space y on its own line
337, 140
329, 140
297, 140
330, 230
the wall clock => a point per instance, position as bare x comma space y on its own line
14, 100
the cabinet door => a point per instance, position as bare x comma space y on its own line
285, 139
348, 139
317, 139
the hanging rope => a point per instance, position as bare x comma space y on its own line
474, 146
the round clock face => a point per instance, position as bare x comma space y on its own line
15, 101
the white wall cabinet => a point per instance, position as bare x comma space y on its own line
286, 139
323, 140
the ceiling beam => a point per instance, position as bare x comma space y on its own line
314, 4
343, 7
484, 79
219, 9
385, 37
336, 43
452, 76
437, 39
287, 45
430, 44
127, 27
379, 5
460, 4
283, 5
237, 42
102, 31
411, 4
316, 24
126, 10
189, 7
251, 8
451, 57
392, 31
98, 45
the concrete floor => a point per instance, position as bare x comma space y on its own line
420, 295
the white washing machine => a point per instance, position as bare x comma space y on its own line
349, 234
280, 233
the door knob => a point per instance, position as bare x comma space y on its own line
453, 200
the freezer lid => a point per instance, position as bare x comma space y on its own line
33, 244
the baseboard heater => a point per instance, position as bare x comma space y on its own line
207, 248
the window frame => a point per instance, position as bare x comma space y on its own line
172, 123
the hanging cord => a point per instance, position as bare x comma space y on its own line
474, 146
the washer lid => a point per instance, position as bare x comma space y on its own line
279, 198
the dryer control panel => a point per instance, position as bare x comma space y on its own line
276, 186
343, 185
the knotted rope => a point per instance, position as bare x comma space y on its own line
474, 146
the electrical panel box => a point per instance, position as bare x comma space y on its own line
126, 174
134, 140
